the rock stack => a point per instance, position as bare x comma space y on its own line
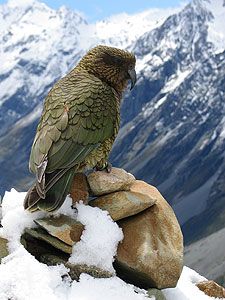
151, 253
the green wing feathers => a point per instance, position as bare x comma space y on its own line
80, 113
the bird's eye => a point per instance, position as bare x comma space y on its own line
117, 60
112, 59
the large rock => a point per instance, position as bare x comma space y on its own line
101, 182
125, 203
151, 254
212, 289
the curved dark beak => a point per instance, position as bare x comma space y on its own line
133, 77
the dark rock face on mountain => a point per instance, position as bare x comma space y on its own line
174, 136
173, 128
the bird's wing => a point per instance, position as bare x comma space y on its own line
80, 112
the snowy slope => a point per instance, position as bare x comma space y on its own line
216, 33
123, 30
37, 48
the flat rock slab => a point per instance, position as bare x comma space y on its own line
63, 227
211, 289
76, 270
3, 248
151, 253
123, 204
41, 234
101, 182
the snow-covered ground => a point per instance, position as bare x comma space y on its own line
22, 277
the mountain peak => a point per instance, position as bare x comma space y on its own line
21, 3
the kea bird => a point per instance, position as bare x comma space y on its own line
79, 123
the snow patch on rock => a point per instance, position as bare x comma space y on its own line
99, 240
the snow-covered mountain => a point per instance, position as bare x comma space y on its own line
173, 125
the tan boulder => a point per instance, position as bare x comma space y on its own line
101, 182
125, 203
151, 254
212, 289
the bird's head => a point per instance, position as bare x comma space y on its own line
112, 65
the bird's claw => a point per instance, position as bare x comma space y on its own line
106, 166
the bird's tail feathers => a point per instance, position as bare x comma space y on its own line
57, 187
57, 194
31, 199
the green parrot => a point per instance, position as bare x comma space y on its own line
79, 123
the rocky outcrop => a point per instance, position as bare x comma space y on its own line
151, 253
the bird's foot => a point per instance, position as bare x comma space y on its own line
106, 166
